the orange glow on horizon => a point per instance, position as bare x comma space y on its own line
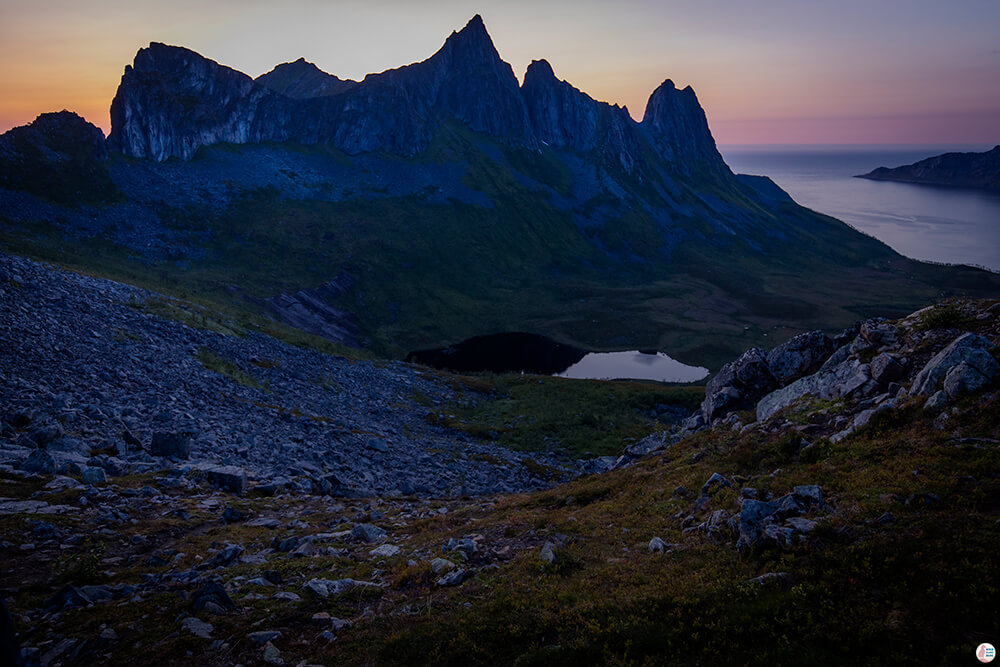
777, 72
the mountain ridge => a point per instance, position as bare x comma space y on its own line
452, 202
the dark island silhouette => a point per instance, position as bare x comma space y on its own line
959, 170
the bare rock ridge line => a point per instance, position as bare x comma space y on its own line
964, 170
172, 101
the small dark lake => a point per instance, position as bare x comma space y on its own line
532, 353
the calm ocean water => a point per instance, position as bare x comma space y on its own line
923, 222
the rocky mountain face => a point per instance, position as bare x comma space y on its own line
303, 80
172, 101
564, 117
964, 170
679, 129
454, 203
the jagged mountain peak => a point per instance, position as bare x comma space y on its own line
302, 79
539, 68
678, 126
472, 43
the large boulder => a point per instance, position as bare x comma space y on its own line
40, 461
830, 383
886, 369
971, 349
739, 385
171, 444
798, 356
230, 478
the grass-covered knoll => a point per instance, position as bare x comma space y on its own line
578, 417
868, 588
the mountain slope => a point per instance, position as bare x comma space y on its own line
445, 201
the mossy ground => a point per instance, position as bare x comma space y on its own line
863, 590
581, 418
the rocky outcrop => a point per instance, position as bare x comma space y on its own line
739, 385
969, 351
799, 356
869, 374
966, 170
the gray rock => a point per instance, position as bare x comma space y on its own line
439, 565
39, 461
970, 348
649, 444
799, 356
548, 553
367, 532
716, 480
385, 551
829, 383
177, 445
886, 369
94, 476
964, 379
739, 385
69, 445
286, 596
454, 578
263, 636
230, 478
657, 545
197, 627
937, 401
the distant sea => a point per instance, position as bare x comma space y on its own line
937, 224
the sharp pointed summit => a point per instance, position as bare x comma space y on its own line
679, 129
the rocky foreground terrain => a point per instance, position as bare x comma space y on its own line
88, 367
178, 494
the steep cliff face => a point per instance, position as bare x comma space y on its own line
561, 115
172, 101
965, 170
303, 80
678, 128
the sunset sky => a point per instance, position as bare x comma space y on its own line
766, 71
